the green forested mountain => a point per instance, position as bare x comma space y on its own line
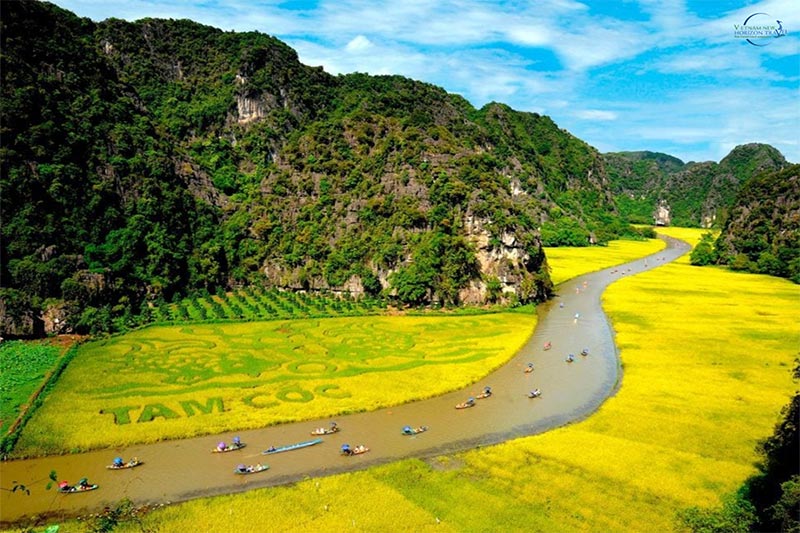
94, 214
695, 194
762, 232
144, 161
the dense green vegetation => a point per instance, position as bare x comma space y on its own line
146, 162
636, 181
704, 253
697, 194
762, 233
152, 160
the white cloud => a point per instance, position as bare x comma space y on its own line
699, 125
358, 44
723, 61
596, 114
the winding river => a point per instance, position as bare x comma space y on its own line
185, 469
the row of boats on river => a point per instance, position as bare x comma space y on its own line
535, 393
236, 444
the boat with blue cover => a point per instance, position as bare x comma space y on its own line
290, 447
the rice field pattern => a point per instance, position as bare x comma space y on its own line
172, 381
201, 357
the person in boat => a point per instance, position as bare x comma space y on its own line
334, 427
346, 449
271, 449
83, 484
221, 447
237, 442
242, 469
118, 463
529, 368
548, 345
535, 393
585, 351
470, 401
570, 358
64, 486
407, 430
487, 391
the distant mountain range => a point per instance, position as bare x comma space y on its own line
144, 161
693, 194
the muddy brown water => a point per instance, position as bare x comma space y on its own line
185, 469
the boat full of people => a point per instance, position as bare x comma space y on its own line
487, 392
333, 428
82, 486
223, 447
244, 470
119, 464
358, 450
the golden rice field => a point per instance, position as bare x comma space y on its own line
178, 381
568, 263
707, 355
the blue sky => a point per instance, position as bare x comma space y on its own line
666, 76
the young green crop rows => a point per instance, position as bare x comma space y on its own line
256, 303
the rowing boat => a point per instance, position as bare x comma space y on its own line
229, 448
290, 447
130, 464
326, 431
252, 469
82, 486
